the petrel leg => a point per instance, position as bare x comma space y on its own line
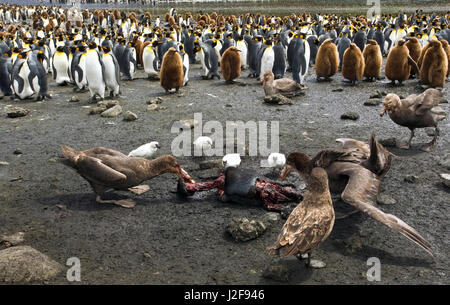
406, 145
140, 189
430, 146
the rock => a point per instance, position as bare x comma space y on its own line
353, 243
445, 179
384, 199
270, 218
112, 112
339, 89
12, 240
350, 116
186, 123
389, 142
97, 110
278, 99
3, 163
411, 179
130, 116
316, 264
156, 100
243, 229
25, 264
74, 99
18, 151
277, 272
445, 161
108, 103
229, 105
372, 102
211, 164
376, 95
152, 107
17, 112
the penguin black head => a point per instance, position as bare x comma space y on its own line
92, 45
73, 49
60, 49
81, 48
23, 54
8, 53
41, 56
106, 50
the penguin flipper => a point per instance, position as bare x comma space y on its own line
20, 82
116, 68
80, 73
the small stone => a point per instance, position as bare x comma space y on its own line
353, 243
445, 179
277, 272
339, 89
17, 112
243, 229
3, 163
389, 142
384, 199
186, 123
108, 103
97, 110
61, 207
74, 99
18, 151
316, 264
23, 264
350, 116
147, 255
411, 179
130, 116
156, 100
270, 218
211, 164
372, 102
152, 107
12, 240
112, 112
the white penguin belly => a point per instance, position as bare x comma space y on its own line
242, 47
94, 74
186, 68
26, 91
110, 74
148, 57
61, 65
267, 61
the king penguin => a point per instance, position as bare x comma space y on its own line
112, 72
95, 71
60, 67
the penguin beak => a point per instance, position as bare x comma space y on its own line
285, 172
183, 175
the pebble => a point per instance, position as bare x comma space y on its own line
411, 179
112, 112
384, 199
3, 163
130, 116
12, 240
18, 151
372, 102
243, 229
445, 179
156, 100
108, 103
74, 99
152, 107
97, 110
350, 116
17, 112
339, 89
316, 264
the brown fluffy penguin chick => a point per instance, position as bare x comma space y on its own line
372, 60
416, 111
171, 70
310, 223
446, 47
284, 86
422, 54
353, 64
399, 63
327, 60
230, 64
415, 49
434, 65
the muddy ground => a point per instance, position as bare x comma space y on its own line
166, 240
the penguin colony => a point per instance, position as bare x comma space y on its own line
108, 46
